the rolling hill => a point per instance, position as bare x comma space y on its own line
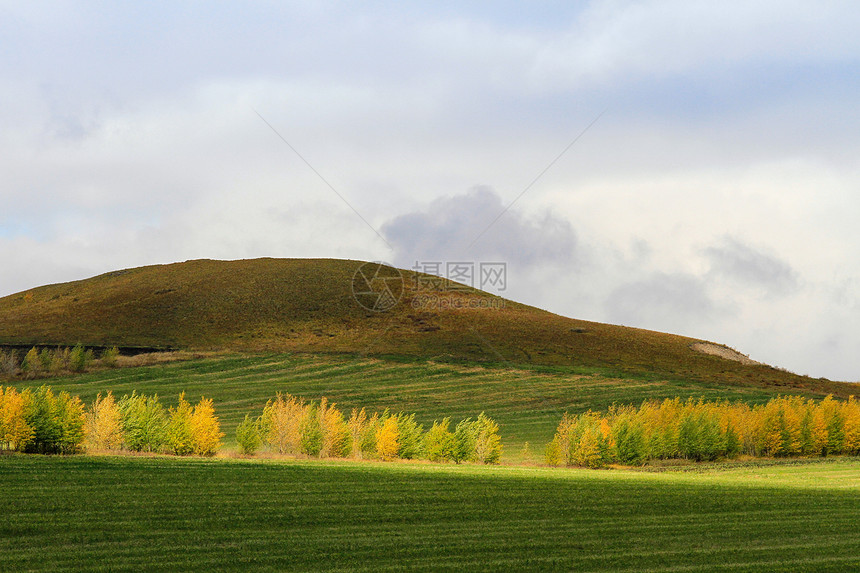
310, 305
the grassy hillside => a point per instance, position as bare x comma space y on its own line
528, 402
161, 514
307, 305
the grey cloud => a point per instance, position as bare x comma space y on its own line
446, 229
673, 302
742, 264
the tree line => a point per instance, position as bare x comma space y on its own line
290, 425
54, 361
41, 421
702, 430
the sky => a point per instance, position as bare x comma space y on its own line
682, 166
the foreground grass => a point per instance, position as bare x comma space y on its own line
134, 513
527, 402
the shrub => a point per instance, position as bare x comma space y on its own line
59, 360
629, 438
368, 439
526, 453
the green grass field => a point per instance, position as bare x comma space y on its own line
527, 402
172, 514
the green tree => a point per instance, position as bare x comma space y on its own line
80, 358
629, 437
439, 441
311, 432
410, 437
464, 441
180, 440
553, 453
488, 443
248, 436
57, 422
32, 364
110, 357
144, 423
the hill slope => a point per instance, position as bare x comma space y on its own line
308, 305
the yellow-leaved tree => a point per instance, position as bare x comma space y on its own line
387, 445
15, 433
205, 429
336, 434
103, 424
281, 423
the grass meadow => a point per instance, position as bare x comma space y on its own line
172, 514
527, 402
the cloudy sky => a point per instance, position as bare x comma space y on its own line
712, 188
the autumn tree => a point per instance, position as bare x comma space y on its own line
104, 424
387, 444
336, 434
357, 425
205, 429
280, 424
15, 433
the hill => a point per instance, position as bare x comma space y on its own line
309, 305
